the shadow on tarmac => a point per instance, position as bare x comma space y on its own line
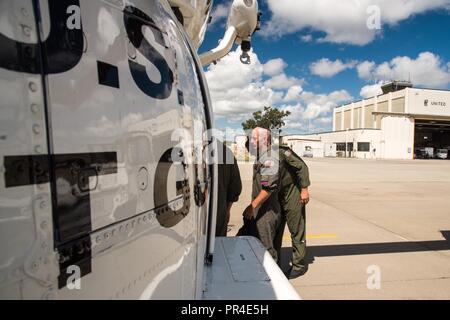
367, 248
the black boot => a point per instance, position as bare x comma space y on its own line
297, 272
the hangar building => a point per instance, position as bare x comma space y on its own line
402, 123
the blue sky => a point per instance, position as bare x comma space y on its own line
325, 50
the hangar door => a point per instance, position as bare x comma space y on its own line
432, 139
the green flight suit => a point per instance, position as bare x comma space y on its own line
229, 187
268, 215
294, 176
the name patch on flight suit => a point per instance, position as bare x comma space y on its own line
268, 174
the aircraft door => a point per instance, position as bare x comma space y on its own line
191, 98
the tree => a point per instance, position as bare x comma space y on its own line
270, 118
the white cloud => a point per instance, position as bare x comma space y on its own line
274, 67
307, 38
343, 21
220, 13
282, 81
325, 120
230, 73
333, 98
365, 69
296, 120
322, 103
427, 69
237, 89
293, 93
326, 68
105, 127
300, 120
239, 103
313, 112
370, 91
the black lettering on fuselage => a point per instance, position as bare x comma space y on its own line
166, 216
134, 20
70, 175
62, 50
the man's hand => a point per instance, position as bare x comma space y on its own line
249, 212
304, 196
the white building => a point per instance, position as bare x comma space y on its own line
399, 124
312, 148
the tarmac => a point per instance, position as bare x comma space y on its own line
376, 229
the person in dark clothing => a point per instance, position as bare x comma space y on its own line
229, 188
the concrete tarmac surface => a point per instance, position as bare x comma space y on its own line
376, 229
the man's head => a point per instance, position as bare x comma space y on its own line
260, 141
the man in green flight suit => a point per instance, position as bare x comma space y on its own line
293, 197
264, 209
